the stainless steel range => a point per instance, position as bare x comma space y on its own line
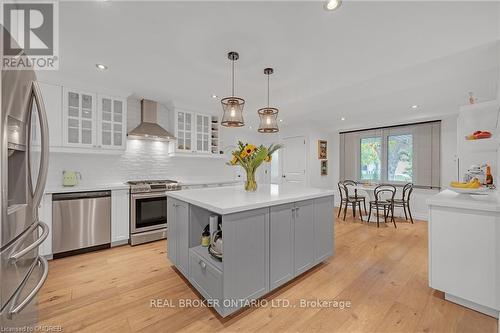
148, 209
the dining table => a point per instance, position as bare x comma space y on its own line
370, 191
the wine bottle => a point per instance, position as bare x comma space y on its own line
489, 177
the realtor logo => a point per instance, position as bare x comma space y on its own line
30, 35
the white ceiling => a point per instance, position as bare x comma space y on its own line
367, 61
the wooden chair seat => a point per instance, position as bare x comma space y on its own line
397, 201
354, 198
380, 203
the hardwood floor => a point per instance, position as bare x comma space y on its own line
382, 272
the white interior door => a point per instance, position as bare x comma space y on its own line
294, 160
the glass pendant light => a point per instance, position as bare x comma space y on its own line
268, 115
232, 106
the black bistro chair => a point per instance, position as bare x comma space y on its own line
346, 200
384, 197
404, 202
356, 196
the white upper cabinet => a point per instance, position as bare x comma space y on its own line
193, 133
202, 133
92, 121
79, 119
184, 131
112, 122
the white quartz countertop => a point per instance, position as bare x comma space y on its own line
486, 202
85, 188
208, 182
232, 199
119, 186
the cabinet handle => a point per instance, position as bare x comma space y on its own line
202, 264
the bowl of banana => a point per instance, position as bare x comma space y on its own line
471, 187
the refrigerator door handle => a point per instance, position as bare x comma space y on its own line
36, 95
45, 232
15, 309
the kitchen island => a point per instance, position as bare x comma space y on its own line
269, 237
464, 249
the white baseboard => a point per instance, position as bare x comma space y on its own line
471, 305
119, 243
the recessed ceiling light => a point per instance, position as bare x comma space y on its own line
332, 4
281, 120
101, 67
250, 127
343, 118
214, 96
414, 107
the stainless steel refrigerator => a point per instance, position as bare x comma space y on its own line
24, 162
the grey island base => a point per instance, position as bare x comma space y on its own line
269, 237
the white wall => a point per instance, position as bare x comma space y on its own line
311, 133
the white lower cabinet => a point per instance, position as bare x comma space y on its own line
464, 257
120, 220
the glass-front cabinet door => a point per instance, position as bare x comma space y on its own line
112, 122
184, 131
202, 133
79, 118
193, 132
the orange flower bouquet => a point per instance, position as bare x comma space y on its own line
250, 158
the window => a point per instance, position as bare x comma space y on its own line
370, 158
400, 158
396, 154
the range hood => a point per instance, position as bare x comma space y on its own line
149, 129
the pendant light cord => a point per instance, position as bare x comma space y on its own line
268, 90
232, 77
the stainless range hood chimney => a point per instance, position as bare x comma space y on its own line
149, 129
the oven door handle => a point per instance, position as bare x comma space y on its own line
148, 195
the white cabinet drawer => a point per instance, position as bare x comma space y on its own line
206, 278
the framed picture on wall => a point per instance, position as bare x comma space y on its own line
322, 150
324, 167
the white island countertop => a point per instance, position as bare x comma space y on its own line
489, 202
233, 199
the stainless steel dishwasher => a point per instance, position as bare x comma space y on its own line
81, 222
